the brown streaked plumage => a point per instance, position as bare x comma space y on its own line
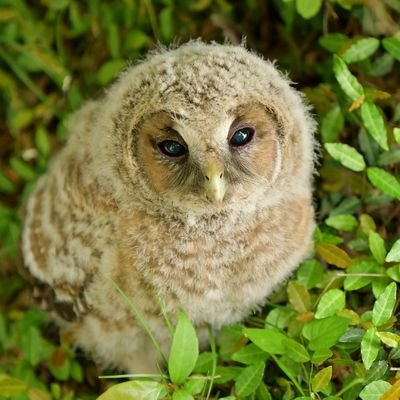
190, 181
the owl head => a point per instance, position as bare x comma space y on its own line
202, 128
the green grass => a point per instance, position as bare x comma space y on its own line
331, 332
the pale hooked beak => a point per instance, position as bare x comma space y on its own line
215, 184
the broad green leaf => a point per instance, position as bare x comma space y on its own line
394, 272
184, 350
263, 393
360, 50
324, 333
389, 338
333, 42
347, 81
394, 253
204, 363
369, 347
332, 125
167, 23
182, 394
308, 8
10, 387
226, 374
367, 223
374, 123
392, 46
270, 340
24, 170
334, 255
377, 371
384, 305
299, 297
134, 390
250, 354
348, 205
194, 386
280, 317
392, 393
396, 134
109, 70
331, 302
360, 278
343, 222
321, 379
296, 351
321, 356
353, 335
249, 379
348, 156
310, 273
377, 246
42, 141
6, 186
375, 390
384, 181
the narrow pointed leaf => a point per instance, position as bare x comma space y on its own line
396, 134
360, 50
184, 350
321, 379
299, 297
384, 305
347, 156
374, 390
343, 222
394, 253
333, 42
271, 341
332, 125
357, 281
377, 246
332, 301
392, 46
389, 338
334, 255
369, 347
296, 351
249, 379
384, 181
374, 123
347, 81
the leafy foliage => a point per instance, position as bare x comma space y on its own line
331, 332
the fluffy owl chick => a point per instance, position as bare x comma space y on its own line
189, 181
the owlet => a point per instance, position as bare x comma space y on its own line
189, 181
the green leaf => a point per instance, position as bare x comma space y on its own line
227, 374
324, 333
353, 335
374, 123
308, 8
321, 356
22, 169
396, 134
332, 125
392, 46
299, 297
42, 141
109, 70
270, 340
195, 386
296, 351
377, 246
11, 387
346, 155
333, 42
134, 390
394, 272
250, 354
359, 269
384, 305
184, 350
360, 50
394, 253
349, 205
204, 363
321, 379
310, 273
347, 81
332, 301
375, 390
384, 181
389, 338
377, 371
343, 222
369, 347
182, 394
334, 255
249, 379
6, 186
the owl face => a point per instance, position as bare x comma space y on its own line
209, 163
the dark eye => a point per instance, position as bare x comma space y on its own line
171, 148
241, 137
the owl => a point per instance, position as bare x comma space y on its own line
189, 181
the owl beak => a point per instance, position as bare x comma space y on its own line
215, 184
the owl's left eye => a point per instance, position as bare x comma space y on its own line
172, 148
241, 137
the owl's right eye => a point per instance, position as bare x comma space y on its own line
172, 148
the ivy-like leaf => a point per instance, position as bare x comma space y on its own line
347, 81
360, 50
384, 305
369, 347
394, 253
384, 181
374, 123
331, 302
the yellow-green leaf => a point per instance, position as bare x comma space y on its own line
334, 255
377, 246
393, 393
394, 253
384, 181
347, 81
321, 379
346, 155
369, 347
384, 305
360, 50
389, 338
299, 297
374, 123
392, 46
332, 301
10, 387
